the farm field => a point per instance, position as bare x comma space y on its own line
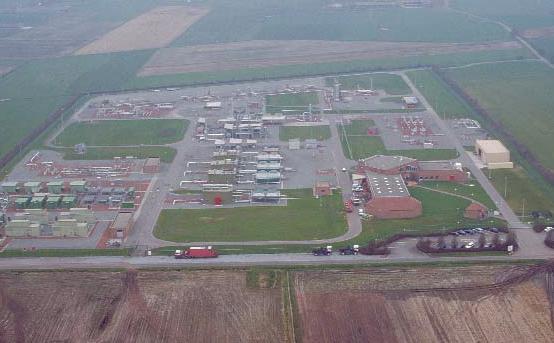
545, 46
267, 53
153, 29
309, 69
38, 88
166, 154
144, 306
356, 144
520, 188
321, 132
424, 305
392, 84
508, 90
315, 20
302, 218
123, 132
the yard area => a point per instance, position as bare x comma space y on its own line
356, 144
303, 218
471, 190
166, 154
392, 84
292, 101
123, 132
520, 188
321, 132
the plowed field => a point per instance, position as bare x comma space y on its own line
211, 306
425, 305
252, 54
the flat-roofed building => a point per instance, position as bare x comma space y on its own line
390, 198
493, 153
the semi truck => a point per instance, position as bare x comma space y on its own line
196, 252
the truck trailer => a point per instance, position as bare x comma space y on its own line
196, 252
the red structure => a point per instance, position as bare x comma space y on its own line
196, 252
394, 207
475, 211
322, 188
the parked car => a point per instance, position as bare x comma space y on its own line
469, 245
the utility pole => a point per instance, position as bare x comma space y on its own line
523, 210
505, 186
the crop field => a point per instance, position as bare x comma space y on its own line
518, 95
123, 132
462, 304
153, 29
356, 144
392, 84
304, 217
266, 53
314, 20
34, 29
130, 306
320, 132
519, 189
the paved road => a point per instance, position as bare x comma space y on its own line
465, 159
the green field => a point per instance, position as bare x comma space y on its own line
544, 46
520, 188
123, 132
39, 87
302, 218
471, 190
356, 144
292, 102
392, 84
312, 20
519, 14
321, 132
445, 102
64, 252
166, 154
518, 94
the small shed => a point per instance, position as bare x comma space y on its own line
475, 211
78, 186
55, 187
322, 188
10, 187
32, 186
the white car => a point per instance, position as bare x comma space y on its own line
343, 169
548, 229
469, 245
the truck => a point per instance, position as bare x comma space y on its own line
196, 252
323, 251
350, 250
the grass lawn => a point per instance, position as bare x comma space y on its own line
166, 154
293, 101
392, 84
321, 132
123, 132
361, 145
518, 94
64, 252
444, 101
520, 188
303, 218
471, 190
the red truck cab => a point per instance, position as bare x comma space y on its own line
196, 252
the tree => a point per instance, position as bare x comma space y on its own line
454, 242
441, 244
511, 238
482, 240
496, 241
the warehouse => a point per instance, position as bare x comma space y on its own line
493, 153
390, 198
439, 171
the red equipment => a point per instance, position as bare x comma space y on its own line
196, 252
348, 206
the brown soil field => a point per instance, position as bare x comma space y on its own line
153, 29
484, 304
539, 32
254, 54
145, 306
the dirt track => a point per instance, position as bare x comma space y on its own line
137, 307
153, 29
253, 54
381, 306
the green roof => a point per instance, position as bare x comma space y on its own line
55, 183
21, 200
53, 199
39, 198
78, 183
68, 198
31, 184
10, 184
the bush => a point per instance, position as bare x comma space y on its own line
539, 227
